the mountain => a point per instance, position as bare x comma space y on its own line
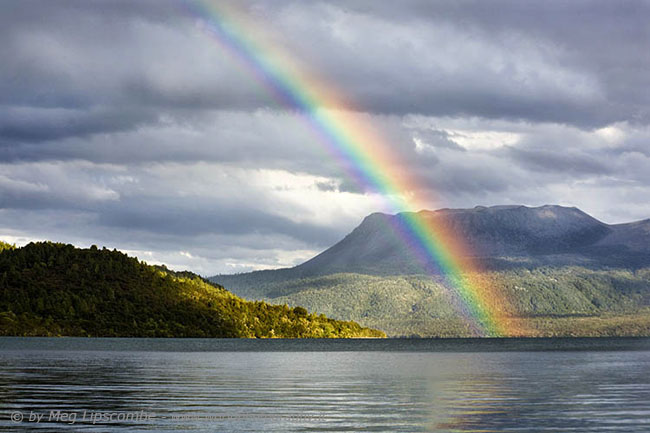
55, 289
634, 237
498, 237
552, 261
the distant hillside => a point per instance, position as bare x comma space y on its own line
552, 301
554, 262
56, 289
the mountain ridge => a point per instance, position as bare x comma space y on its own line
563, 271
500, 236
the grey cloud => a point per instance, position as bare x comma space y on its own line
438, 139
546, 160
327, 186
263, 138
35, 124
212, 252
539, 62
86, 54
149, 202
457, 174
194, 217
504, 60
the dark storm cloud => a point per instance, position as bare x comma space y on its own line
570, 62
193, 217
459, 175
577, 163
567, 62
34, 124
118, 59
600, 37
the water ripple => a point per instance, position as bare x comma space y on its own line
330, 391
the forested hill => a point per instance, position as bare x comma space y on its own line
56, 289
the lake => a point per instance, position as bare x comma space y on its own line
393, 385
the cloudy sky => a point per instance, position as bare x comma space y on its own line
126, 124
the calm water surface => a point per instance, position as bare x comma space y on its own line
581, 385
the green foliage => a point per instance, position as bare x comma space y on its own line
602, 325
56, 289
551, 299
6, 246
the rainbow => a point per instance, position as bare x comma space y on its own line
362, 153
